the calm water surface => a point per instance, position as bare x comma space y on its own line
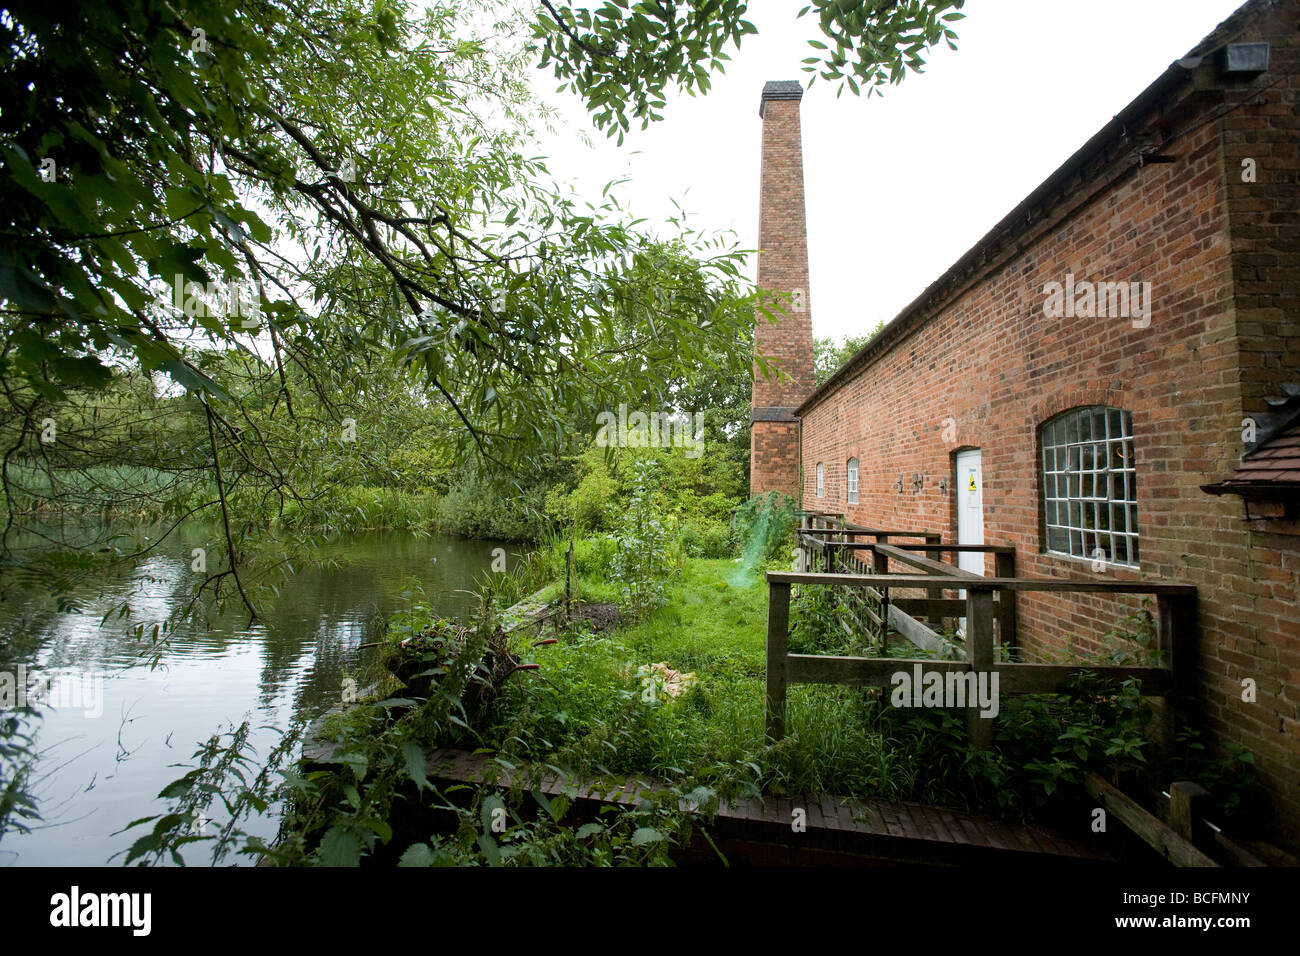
120, 725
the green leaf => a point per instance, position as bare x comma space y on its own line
644, 835
415, 764
490, 849
340, 848
418, 854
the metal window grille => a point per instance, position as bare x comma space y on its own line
1089, 485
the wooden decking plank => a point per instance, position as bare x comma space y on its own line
777, 810
814, 810
892, 826
1042, 839
955, 832
906, 821
974, 832
847, 824
870, 820
729, 810
1024, 842
847, 810
925, 825
999, 835
942, 831
830, 812
1060, 846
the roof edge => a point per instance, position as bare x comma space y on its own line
1173, 79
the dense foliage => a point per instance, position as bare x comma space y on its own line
623, 57
412, 279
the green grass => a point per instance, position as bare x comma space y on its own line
585, 710
588, 712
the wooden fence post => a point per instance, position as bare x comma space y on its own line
778, 639
1186, 806
1176, 629
880, 565
979, 654
880, 562
930, 538
1004, 566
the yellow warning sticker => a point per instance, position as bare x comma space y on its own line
972, 481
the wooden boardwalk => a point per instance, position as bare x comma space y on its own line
836, 830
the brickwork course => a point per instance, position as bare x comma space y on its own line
1195, 188
782, 269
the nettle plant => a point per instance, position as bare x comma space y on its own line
642, 561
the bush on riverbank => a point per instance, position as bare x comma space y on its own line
361, 508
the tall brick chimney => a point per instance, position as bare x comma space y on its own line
783, 269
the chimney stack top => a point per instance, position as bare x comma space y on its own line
780, 90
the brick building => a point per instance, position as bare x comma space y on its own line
1107, 379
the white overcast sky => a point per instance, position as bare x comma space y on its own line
899, 186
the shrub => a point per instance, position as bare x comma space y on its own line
641, 562
479, 508
717, 542
764, 527
690, 540
592, 557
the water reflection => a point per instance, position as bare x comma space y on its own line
96, 774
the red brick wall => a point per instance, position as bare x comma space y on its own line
774, 458
1254, 576
990, 360
1264, 215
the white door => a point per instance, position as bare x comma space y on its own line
970, 508
970, 515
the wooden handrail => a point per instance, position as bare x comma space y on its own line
908, 546
1096, 585
858, 529
925, 564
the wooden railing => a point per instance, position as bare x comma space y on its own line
989, 601
901, 614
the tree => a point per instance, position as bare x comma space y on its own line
360, 171
624, 56
829, 355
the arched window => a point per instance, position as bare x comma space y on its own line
851, 481
821, 481
1089, 485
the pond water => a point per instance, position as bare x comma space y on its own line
116, 726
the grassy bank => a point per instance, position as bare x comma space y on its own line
588, 709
